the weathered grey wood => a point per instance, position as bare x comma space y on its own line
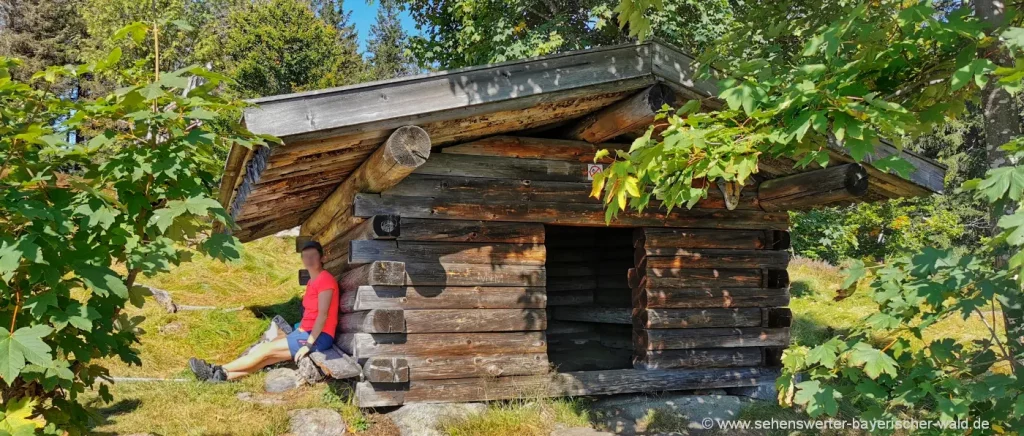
503, 168
699, 358
718, 278
694, 298
419, 229
679, 339
365, 345
535, 148
709, 258
696, 318
438, 297
653, 237
382, 273
610, 315
460, 274
475, 320
335, 364
439, 367
581, 383
373, 321
843, 183
362, 252
405, 150
386, 370
578, 214
634, 113
678, 70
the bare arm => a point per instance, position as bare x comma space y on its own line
323, 308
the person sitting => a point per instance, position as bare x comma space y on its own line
314, 333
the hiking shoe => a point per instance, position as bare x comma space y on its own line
219, 375
202, 370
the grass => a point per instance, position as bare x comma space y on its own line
263, 283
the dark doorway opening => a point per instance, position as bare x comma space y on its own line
589, 299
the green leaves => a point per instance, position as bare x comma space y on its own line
875, 362
818, 399
25, 344
15, 419
102, 280
977, 69
745, 94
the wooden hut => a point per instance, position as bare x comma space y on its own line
454, 208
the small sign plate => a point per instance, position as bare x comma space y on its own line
593, 169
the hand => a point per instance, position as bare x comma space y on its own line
302, 352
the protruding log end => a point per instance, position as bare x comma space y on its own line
408, 146
832, 185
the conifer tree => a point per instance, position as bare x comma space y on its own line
388, 47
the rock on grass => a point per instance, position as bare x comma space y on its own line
316, 422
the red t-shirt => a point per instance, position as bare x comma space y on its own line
323, 282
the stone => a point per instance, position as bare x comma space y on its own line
423, 419
262, 399
315, 422
665, 414
309, 371
580, 431
281, 380
173, 327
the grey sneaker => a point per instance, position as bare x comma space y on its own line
202, 370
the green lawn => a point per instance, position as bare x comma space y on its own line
264, 283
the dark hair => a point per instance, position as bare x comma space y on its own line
314, 245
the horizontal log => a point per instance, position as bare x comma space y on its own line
611, 315
699, 358
634, 113
568, 214
654, 237
837, 184
680, 339
475, 365
386, 369
373, 321
374, 274
443, 230
694, 298
365, 345
591, 357
535, 148
461, 274
710, 258
503, 168
438, 297
571, 298
696, 318
702, 278
335, 364
362, 252
581, 383
475, 320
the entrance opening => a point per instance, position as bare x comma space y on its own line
589, 299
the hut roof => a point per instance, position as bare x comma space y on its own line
327, 133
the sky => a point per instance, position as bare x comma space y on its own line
364, 14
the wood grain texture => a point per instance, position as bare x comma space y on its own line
365, 345
699, 358
838, 184
362, 252
679, 339
418, 229
440, 297
476, 320
462, 274
709, 258
636, 112
694, 298
696, 318
535, 148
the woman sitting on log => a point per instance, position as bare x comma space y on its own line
314, 333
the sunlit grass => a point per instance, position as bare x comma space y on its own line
521, 418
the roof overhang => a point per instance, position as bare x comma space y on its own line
327, 133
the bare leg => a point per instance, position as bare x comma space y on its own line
262, 355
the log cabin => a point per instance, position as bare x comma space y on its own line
454, 210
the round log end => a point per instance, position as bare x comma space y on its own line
857, 180
659, 96
409, 146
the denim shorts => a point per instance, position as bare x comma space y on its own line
297, 338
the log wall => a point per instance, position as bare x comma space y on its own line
484, 265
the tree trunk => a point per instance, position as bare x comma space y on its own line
1002, 123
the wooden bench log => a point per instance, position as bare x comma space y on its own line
695, 298
363, 252
709, 258
334, 363
696, 318
654, 237
610, 315
382, 273
582, 383
460, 274
440, 297
634, 113
364, 345
832, 185
680, 339
405, 150
699, 358
449, 367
